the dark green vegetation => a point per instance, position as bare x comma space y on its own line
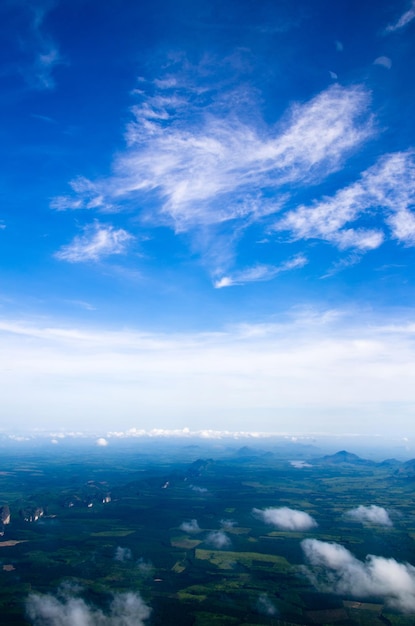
110, 522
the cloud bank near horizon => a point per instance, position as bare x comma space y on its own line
249, 368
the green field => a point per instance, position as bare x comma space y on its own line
141, 538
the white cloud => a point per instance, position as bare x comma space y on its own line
388, 185
260, 272
207, 165
88, 196
145, 568
101, 442
190, 526
39, 47
218, 539
265, 606
198, 156
384, 61
44, 65
242, 378
402, 224
372, 514
127, 609
123, 554
335, 569
227, 524
198, 489
97, 241
286, 518
405, 19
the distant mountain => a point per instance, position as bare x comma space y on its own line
247, 454
246, 451
390, 463
343, 458
406, 470
198, 467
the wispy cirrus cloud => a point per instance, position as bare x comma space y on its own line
387, 188
404, 19
199, 155
206, 168
38, 52
217, 168
383, 61
97, 241
260, 272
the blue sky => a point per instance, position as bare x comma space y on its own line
207, 216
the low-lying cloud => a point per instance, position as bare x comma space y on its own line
218, 539
265, 606
126, 609
145, 568
286, 518
190, 526
334, 569
228, 524
370, 514
198, 489
123, 554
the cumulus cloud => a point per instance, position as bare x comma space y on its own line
123, 554
101, 442
97, 242
190, 526
227, 524
335, 569
286, 518
145, 568
198, 489
218, 539
370, 514
405, 19
127, 609
265, 606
